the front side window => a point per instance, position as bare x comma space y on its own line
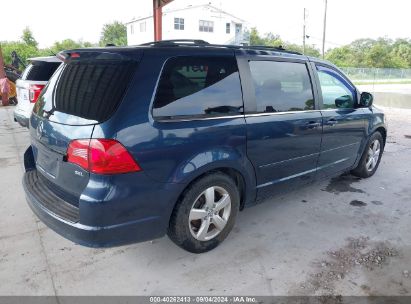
179, 24
198, 86
336, 91
206, 26
281, 86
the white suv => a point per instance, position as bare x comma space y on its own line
32, 81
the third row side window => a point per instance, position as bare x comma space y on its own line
198, 86
281, 86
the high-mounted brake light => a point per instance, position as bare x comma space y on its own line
34, 92
62, 56
101, 156
66, 56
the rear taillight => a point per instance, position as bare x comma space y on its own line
101, 156
77, 152
34, 92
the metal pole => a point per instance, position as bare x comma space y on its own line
2, 72
304, 33
157, 16
4, 100
324, 28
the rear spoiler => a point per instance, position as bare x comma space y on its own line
77, 55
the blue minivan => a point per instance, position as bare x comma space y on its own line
175, 137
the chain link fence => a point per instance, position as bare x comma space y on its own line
390, 87
378, 75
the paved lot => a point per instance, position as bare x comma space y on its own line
344, 236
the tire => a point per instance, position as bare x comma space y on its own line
371, 157
196, 228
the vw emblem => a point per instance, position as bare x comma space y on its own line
39, 130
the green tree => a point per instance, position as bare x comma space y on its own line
66, 44
23, 50
378, 56
88, 44
310, 50
269, 39
373, 53
401, 53
255, 38
114, 33
342, 56
28, 38
273, 40
27, 48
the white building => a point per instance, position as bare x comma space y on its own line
205, 22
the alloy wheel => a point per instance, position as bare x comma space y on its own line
209, 213
373, 155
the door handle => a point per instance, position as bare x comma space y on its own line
332, 122
312, 125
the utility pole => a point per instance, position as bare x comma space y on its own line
324, 28
304, 31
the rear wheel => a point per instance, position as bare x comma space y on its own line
371, 157
206, 213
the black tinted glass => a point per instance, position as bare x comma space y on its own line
89, 89
198, 86
281, 86
41, 71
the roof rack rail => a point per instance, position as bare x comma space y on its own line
257, 48
279, 48
199, 42
177, 42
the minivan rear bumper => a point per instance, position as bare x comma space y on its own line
63, 220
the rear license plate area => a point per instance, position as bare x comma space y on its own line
47, 161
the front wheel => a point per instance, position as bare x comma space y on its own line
205, 215
371, 157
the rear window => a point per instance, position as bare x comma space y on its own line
86, 89
198, 86
40, 70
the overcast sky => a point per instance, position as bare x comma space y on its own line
348, 20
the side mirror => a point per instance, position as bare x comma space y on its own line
366, 99
344, 102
